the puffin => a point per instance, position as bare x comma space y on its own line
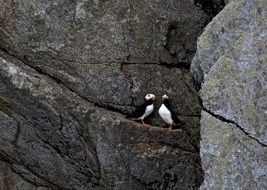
168, 115
144, 110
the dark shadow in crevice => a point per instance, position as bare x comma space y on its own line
211, 7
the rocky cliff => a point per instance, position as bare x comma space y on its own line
72, 70
230, 67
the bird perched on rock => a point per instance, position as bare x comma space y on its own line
167, 115
144, 110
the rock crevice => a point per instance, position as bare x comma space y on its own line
232, 122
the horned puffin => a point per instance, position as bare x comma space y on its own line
144, 110
167, 115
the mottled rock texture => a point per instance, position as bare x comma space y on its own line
235, 48
230, 67
83, 43
71, 70
52, 137
231, 159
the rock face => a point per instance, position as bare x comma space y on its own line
71, 70
65, 37
231, 159
52, 137
83, 43
230, 67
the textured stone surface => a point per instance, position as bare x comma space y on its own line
10, 180
235, 48
71, 70
231, 159
52, 137
44, 136
163, 175
84, 31
83, 43
230, 69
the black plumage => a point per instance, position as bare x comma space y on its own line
140, 110
168, 115
143, 110
177, 123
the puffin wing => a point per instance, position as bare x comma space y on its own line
177, 122
139, 112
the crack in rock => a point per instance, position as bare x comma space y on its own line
234, 123
58, 81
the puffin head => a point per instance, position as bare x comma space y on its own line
165, 97
150, 97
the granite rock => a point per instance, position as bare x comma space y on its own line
230, 159
234, 48
230, 71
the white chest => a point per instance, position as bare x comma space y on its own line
149, 110
165, 114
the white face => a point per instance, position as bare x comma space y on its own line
150, 97
165, 96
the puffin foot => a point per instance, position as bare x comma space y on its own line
145, 125
168, 129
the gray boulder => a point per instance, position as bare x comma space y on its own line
231, 66
230, 69
230, 158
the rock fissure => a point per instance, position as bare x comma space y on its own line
17, 135
177, 65
36, 184
212, 7
10, 161
234, 123
42, 178
6, 158
19, 174
229, 70
58, 81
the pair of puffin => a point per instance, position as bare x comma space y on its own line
147, 108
